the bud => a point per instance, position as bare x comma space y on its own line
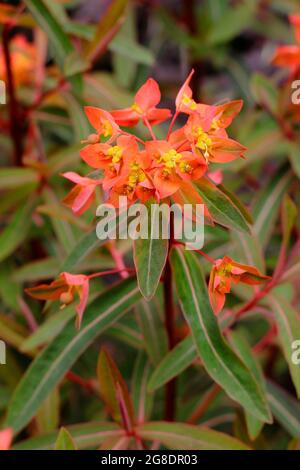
66, 298
93, 139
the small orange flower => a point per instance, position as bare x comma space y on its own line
225, 272
289, 55
134, 180
144, 107
63, 289
23, 56
184, 101
6, 436
81, 197
110, 158
210, 140
104, 124
170, 167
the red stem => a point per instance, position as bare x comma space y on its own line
170, 327
15, 129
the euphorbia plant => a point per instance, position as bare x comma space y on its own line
189, 338
156, 171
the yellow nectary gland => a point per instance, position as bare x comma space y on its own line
136, 175
135, 107
172, 159
203, 141
224, 270
107, 129
187, 101
116, 153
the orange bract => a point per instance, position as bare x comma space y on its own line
63, 289
144, 107
289, 56
225, 272
6, 437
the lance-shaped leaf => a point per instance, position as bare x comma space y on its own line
150, 254
142, 399
221, 207
14, 234
53, 363
61, 44
175, 362
288, 325
188, 437
108, 26
243, 349
65, 441
114, 391
288, 218
267, 205
285, 408
153, 329
14, 177
91, 241
221, 363
85, 436
265, 93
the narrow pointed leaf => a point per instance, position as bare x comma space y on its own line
114, 391
221, 207
150, 254
185, 436
53, 363
221, 363
65, 441
288, 325
285, 408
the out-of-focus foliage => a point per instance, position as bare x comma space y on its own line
237, 386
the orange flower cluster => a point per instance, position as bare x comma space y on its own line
23, 57
289, 56
226, 272
155, 168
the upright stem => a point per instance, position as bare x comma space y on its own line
15, 129
170, 327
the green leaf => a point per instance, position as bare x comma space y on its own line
65, 441
142, 399
88, 243
221, 207
266, 208
61, 44
288, 325
234, 21
150, 254
14, 177
131, 50
285, 408
243, 349
265, 93
52, 364
114, 391
235, 200
175, 362
153, 329
85, 436
294, 156
108, 26
17, 229
288, 218
185, 436
221, 363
